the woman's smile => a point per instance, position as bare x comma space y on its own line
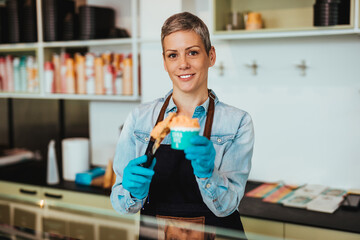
186, 77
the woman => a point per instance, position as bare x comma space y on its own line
205, 182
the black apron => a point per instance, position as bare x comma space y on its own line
174, 192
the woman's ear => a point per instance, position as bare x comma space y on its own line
212, 56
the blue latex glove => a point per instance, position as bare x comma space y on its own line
137, 179
202, 156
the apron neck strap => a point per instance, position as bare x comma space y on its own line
209, 117
163, 109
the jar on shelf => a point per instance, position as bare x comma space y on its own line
254, 21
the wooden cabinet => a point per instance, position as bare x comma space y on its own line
89, 216
20, 191
257, 228
293, 231
108, 233
25, 220
53, 226
58, 213
4, 214
79, 230
82, 200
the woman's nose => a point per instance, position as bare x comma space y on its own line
184, 64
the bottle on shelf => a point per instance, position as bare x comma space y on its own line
23, 75
108, 74
127, 84
16, 70
118, 68
99, 76
63, 72
32, 80
70, 76
57, 78
3, 77
90, 73
10, 73
80, 74
49, 77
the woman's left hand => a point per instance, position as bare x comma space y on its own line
202, 156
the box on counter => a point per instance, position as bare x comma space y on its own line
85, 178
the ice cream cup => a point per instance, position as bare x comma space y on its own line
180, 137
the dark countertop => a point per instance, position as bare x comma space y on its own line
343, 220
34, 173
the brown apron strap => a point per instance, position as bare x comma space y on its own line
209, 117
162, 113
163, 109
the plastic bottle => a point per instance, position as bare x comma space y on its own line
70, 76
49, 77
52, 167
127, 86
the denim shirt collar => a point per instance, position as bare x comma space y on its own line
199, 110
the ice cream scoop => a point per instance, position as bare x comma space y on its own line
158, 133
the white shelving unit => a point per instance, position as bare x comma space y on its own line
219, 8
19, 46
42, 49
209, 8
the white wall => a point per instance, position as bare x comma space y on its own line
307, 128
105, 121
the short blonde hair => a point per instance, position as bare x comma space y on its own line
186, 21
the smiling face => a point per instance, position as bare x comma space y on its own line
186, 61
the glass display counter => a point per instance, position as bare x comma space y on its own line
47, 219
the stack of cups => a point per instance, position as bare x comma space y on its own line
326, 12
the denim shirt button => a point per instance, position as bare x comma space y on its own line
219, 140
146, 139
207, 185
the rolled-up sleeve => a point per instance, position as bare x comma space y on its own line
223, 191
121, 199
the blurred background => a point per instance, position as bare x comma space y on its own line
75, 69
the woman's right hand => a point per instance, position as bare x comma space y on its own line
137, 179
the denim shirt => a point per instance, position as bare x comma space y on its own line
233, 138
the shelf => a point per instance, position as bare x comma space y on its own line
69, 97
19, 47
275, 33
282, 18
126, 17
82, 43
91, 97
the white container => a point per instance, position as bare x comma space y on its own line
75, 155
